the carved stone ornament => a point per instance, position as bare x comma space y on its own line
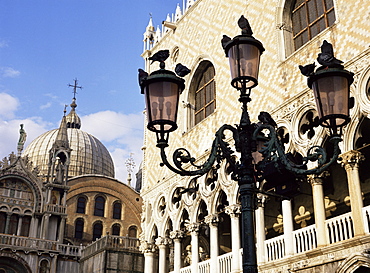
351, 159
162, 241
194, 227
233, 210
146, 247
212, 219
177, 234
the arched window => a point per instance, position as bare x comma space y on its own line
132, 232
116, 228
309, 18
97, 230
99, 206
81, 204
202, 93
117, 208
44, 266
79, 228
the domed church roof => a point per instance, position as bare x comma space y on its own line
88, 156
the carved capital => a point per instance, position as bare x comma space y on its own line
177, 234
351, 159
162, 241
146, 247
317, 179
194, 227
212, 220
233, 210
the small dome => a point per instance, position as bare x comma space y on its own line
88, 156
72, 119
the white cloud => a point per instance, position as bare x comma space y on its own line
9, 72
8, 105
122, 134
45, 106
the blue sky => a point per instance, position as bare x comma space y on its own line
46, 44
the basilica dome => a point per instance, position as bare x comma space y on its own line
88, 155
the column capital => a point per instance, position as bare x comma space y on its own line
162, 241
212, 220
351, 159
233, 210
177, 234
146, 247
193, 227
317, 179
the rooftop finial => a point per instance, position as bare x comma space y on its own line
130, 165
75, 86
65, 109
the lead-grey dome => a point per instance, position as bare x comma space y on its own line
88, 156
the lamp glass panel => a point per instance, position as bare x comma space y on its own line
332, 96
161, 102
244, 62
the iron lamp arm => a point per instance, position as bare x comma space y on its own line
273, 150
220, 150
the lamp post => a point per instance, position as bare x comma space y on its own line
330, 83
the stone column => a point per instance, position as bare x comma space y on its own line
234, 212
176, 236
350, 162
45, 226
148, 249
194, 229
32, 232
319, 208
7, 222
260, 229
61, 229
19, 228
212, 222
288, 227
162, 243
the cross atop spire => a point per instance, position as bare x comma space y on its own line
75, 86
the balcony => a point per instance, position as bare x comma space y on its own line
111, 242
339, 229
53, 208
38, 245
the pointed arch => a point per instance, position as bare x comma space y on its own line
354, 263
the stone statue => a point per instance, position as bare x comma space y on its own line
22, 139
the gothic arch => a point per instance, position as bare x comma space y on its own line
353, 262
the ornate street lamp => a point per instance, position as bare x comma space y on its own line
257, 143
162, 89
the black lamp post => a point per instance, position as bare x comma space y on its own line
330, 83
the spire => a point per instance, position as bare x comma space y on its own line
178, 13
149, 35
150, 26
62, 138
158, 35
